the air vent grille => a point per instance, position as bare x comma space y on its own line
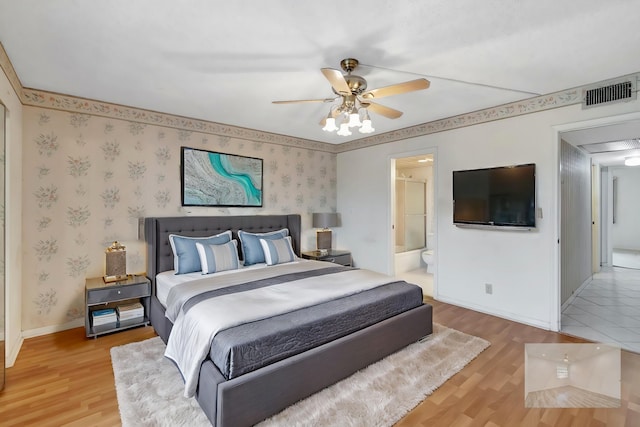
616, 92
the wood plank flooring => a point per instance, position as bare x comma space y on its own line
64, 379
569, 397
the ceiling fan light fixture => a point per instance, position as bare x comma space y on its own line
354, 118
366, 124
330, 125
366, 127
344, 130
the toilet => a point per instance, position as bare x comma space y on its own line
427, 257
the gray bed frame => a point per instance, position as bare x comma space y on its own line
255, 396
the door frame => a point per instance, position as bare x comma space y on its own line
391, 198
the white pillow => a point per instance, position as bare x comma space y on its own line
278, 251
214, 258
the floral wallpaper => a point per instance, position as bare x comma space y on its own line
87, 179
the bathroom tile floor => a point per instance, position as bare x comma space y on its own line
607, 310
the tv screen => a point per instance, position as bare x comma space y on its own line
501, 196
219, 179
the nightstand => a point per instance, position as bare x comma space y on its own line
333, 255
100, 295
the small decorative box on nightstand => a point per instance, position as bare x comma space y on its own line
332, 255
103, 299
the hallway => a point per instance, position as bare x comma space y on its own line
607, 310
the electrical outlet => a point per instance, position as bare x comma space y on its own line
488, 288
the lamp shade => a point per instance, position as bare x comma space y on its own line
325, 220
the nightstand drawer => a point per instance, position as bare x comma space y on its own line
96, 296
339, 259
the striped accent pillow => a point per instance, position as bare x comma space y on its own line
278, 251
214, 258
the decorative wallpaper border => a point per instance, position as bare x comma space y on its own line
38, 98
10, 72
69, 103
518, 108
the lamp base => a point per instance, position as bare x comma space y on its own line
323, 239
118, 278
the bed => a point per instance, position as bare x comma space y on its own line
245, 395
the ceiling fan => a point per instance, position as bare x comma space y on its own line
352, 90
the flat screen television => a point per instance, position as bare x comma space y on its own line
501, 196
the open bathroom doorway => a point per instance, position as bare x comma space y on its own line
413, 220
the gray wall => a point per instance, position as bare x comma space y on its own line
575, 211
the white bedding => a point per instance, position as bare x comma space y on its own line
192, 333
166, 280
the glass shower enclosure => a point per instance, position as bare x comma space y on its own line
411, 214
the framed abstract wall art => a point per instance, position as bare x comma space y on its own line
210, 178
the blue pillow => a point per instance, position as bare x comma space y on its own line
185, 254
278, 251
214, 258
251, 249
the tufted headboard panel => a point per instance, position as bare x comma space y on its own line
157, 230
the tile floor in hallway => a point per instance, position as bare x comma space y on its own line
607, 309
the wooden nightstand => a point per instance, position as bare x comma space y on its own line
333, 255
100, 295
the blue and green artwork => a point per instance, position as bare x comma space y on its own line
219, 179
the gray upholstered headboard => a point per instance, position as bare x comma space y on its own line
157, 230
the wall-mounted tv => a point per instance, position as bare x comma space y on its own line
500, 196
210, 178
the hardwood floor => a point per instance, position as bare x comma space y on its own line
569, 397
490, 390
64, 379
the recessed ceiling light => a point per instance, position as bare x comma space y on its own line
632, 161
424, 160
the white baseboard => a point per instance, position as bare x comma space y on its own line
51, 329
14, 349
498, 313
575, 293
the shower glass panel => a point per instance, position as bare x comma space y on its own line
410, 215
415, 215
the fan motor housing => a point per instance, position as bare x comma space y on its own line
357, 84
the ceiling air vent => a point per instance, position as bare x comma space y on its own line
612, 93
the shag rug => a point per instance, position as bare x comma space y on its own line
150, 388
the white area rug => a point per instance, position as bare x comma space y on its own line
150, 389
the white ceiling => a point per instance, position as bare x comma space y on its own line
226, 61
556, 352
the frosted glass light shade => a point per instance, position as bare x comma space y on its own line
344, 130
330, 125
366, 127
354, 120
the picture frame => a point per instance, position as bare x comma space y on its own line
211, 178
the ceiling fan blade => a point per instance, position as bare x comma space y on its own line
382, 110
397, 89
304, 100
337, 81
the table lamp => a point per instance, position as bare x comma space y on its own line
323, 236
115, 263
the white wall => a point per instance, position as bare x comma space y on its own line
626, 230
599, 374
13, 219
522, 266
542, 374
